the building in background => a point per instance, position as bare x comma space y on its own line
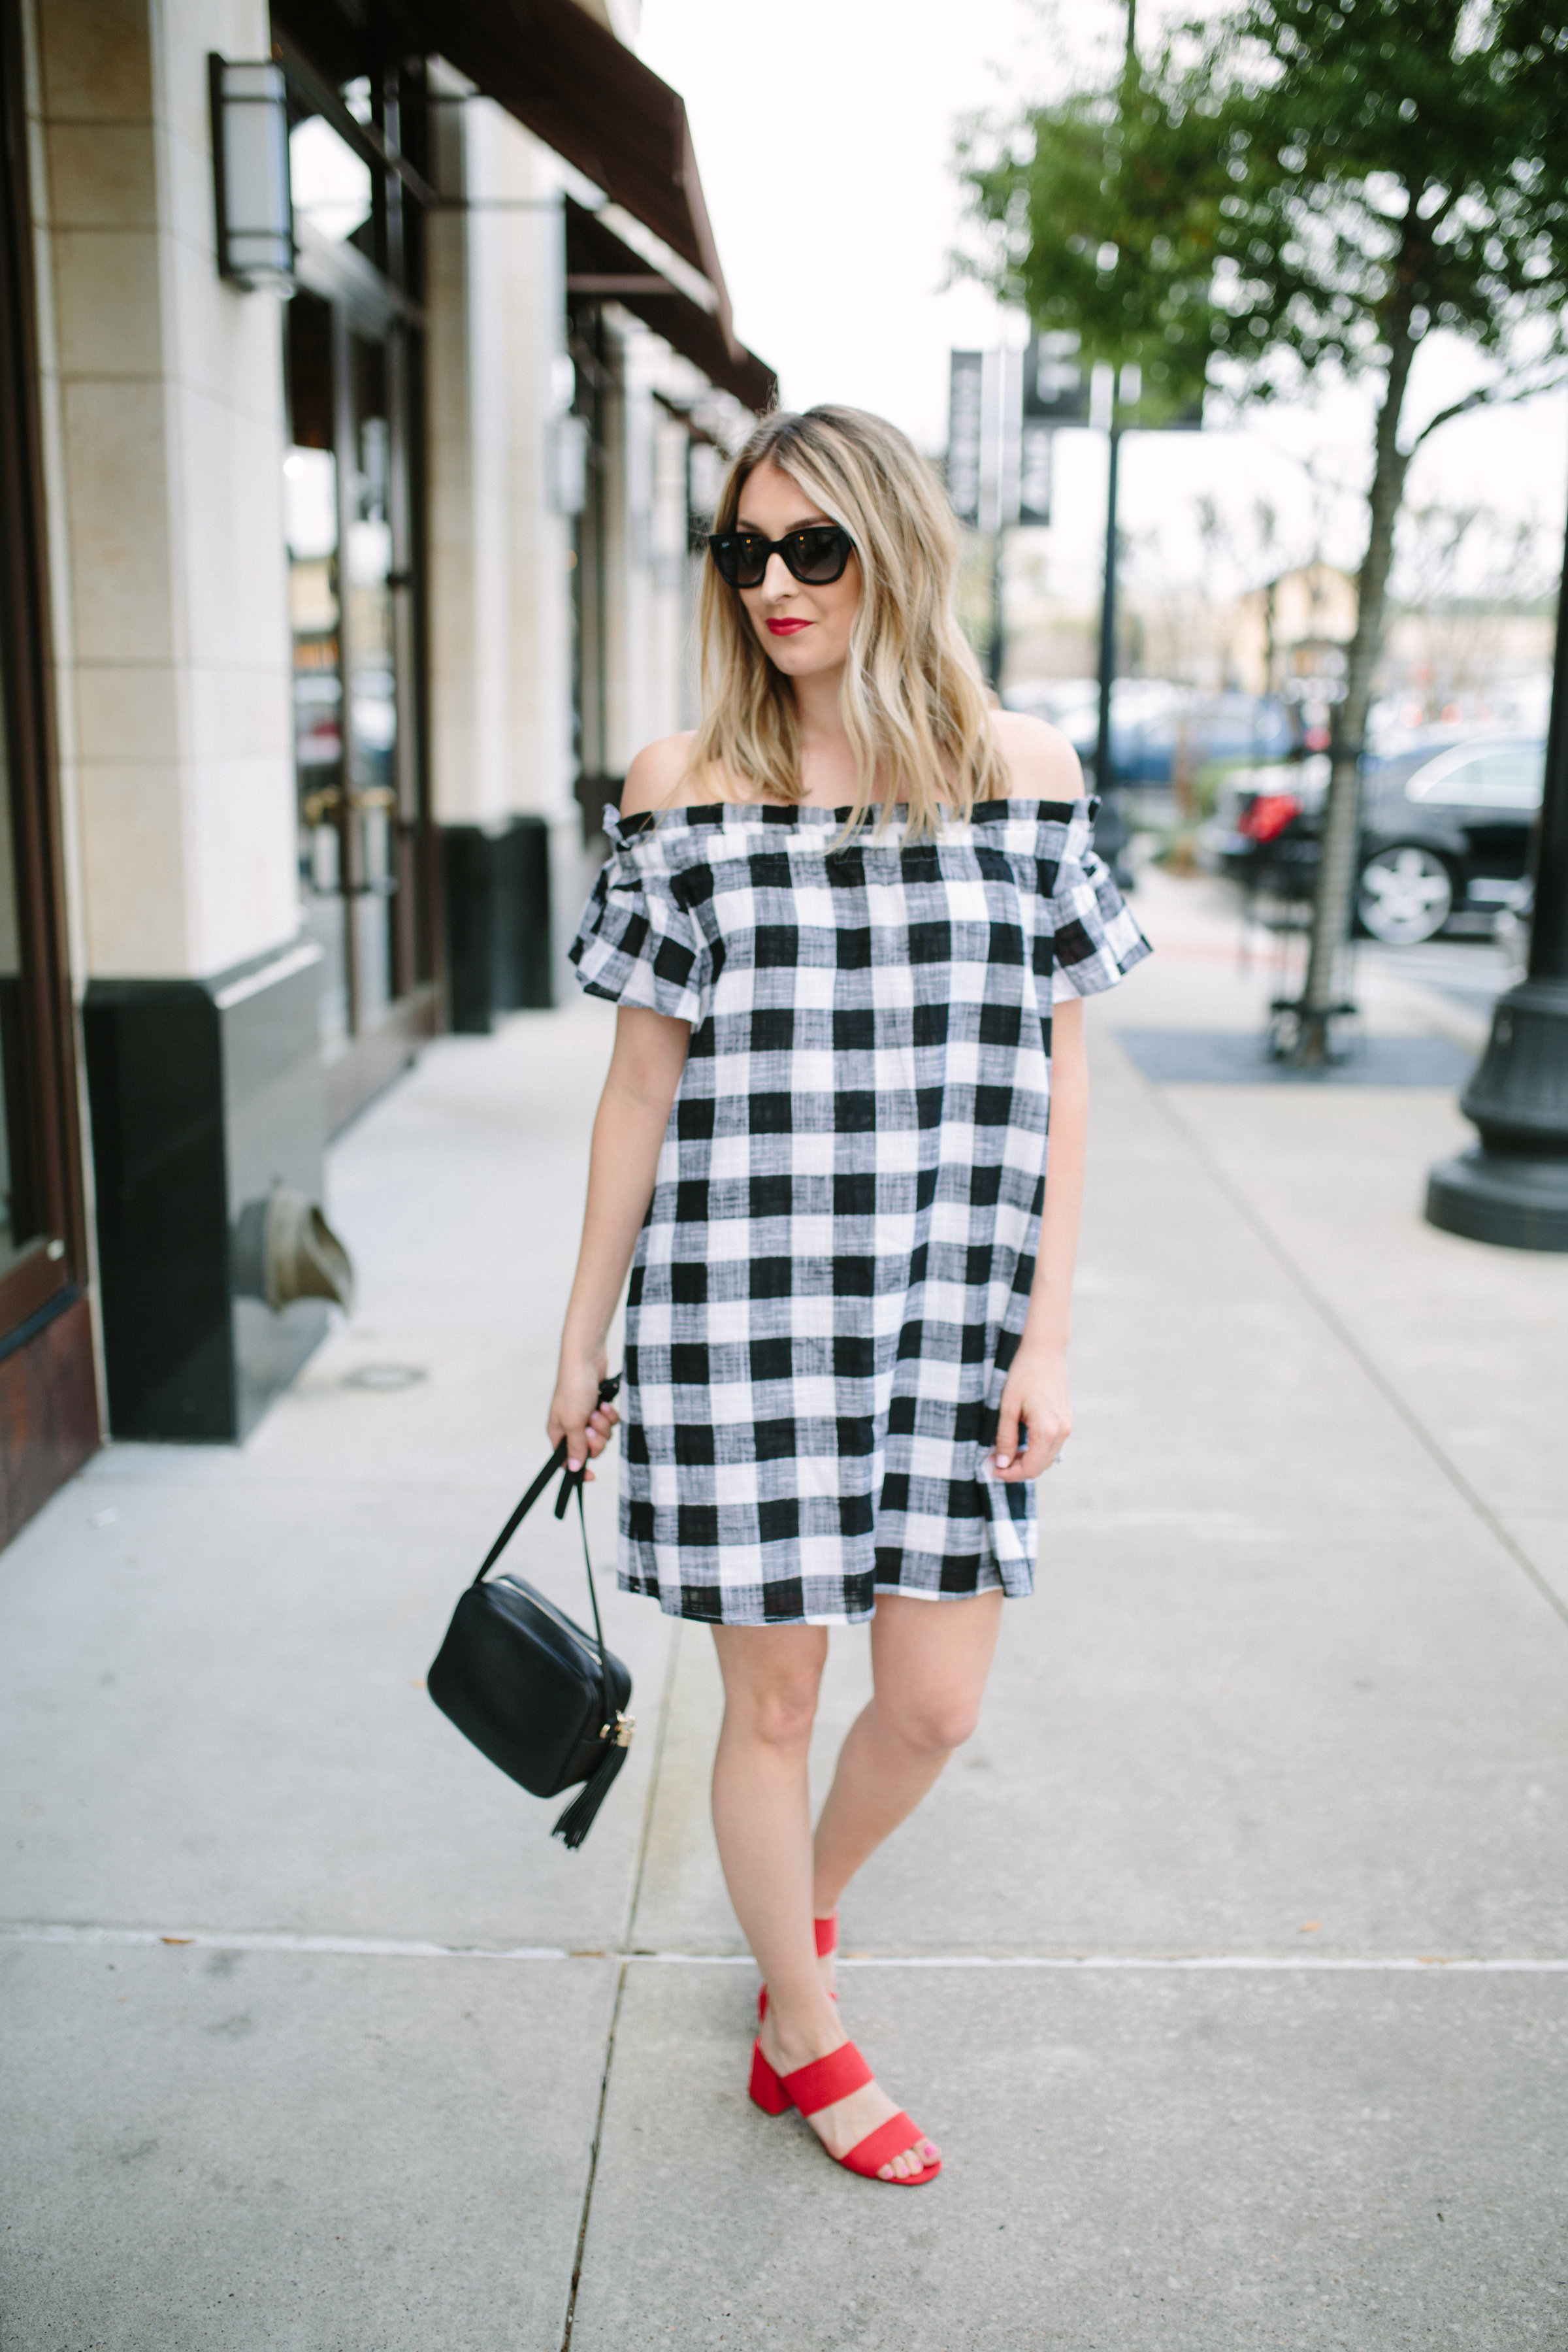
365, 370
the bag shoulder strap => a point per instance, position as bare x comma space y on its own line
608, 1390
523, 1509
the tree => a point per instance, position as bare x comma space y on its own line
1294, 187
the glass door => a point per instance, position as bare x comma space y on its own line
310, 505
371, 657
350, 599
367, 845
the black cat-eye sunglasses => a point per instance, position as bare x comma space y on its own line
816, 556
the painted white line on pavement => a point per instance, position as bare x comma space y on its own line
384, 1948
373, 1948
1309, 1963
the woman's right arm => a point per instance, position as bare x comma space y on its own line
634, 1112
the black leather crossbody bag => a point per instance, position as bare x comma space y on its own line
532, 1690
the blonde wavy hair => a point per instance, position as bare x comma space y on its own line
915, 708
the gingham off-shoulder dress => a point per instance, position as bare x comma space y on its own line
834, 1271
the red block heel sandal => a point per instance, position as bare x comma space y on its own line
826, 1941
821, 2085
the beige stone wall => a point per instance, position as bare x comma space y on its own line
501, 683
164, 414
648, 580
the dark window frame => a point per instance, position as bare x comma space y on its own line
39, 1281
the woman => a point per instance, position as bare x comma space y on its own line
833, 920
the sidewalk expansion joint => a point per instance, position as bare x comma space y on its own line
594, 2160
382, 1948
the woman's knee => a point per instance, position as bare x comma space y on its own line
933, 1724
772, 1676
780, 1712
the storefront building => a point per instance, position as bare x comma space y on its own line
366, 370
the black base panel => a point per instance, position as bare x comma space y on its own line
496, 896
203, 1094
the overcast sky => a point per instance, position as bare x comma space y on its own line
824, 132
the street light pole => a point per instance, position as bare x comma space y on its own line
1103, 776
1110, 827
1512, 1187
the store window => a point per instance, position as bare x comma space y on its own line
39, 1201
350, 505
18, 1219
48, 1406
35, 1173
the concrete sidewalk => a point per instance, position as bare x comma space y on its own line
1229, 1962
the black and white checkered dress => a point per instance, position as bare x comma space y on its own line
835, 1269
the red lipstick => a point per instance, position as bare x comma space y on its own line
786, 628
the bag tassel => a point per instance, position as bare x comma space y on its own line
580, 1814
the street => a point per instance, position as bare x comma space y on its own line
1228, 1963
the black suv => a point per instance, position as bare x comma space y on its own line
1446, 832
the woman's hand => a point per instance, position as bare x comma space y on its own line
576, 1414
1036, 1420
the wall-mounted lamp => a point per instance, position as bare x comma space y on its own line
251, 173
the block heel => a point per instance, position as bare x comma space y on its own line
768, 2091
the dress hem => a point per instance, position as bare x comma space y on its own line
862, 1617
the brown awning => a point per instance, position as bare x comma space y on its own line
600, 267
573, 85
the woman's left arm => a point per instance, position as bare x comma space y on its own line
1034, 1398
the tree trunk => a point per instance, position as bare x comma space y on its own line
1340, 852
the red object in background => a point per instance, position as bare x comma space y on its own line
1269, 815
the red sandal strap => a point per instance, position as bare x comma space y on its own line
897, 2136
827, 2079
827, 1935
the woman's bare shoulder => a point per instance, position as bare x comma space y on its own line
656, 778
662, 777
1041, 763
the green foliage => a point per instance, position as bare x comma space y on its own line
1293, 183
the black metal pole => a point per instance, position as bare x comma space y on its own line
1109, 825
1512, 1187
1102, 768
1110, 830
1549, 923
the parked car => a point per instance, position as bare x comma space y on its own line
1446, 832
1156, 726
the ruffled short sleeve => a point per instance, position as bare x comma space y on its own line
636, 944
1095, 940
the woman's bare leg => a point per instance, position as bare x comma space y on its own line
761, 1803
762, 1818
928, 1663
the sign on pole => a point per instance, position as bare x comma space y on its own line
966, 412
1003, 408
987, 458
1056, 389
1035, 471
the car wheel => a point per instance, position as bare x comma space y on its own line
1405, 895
